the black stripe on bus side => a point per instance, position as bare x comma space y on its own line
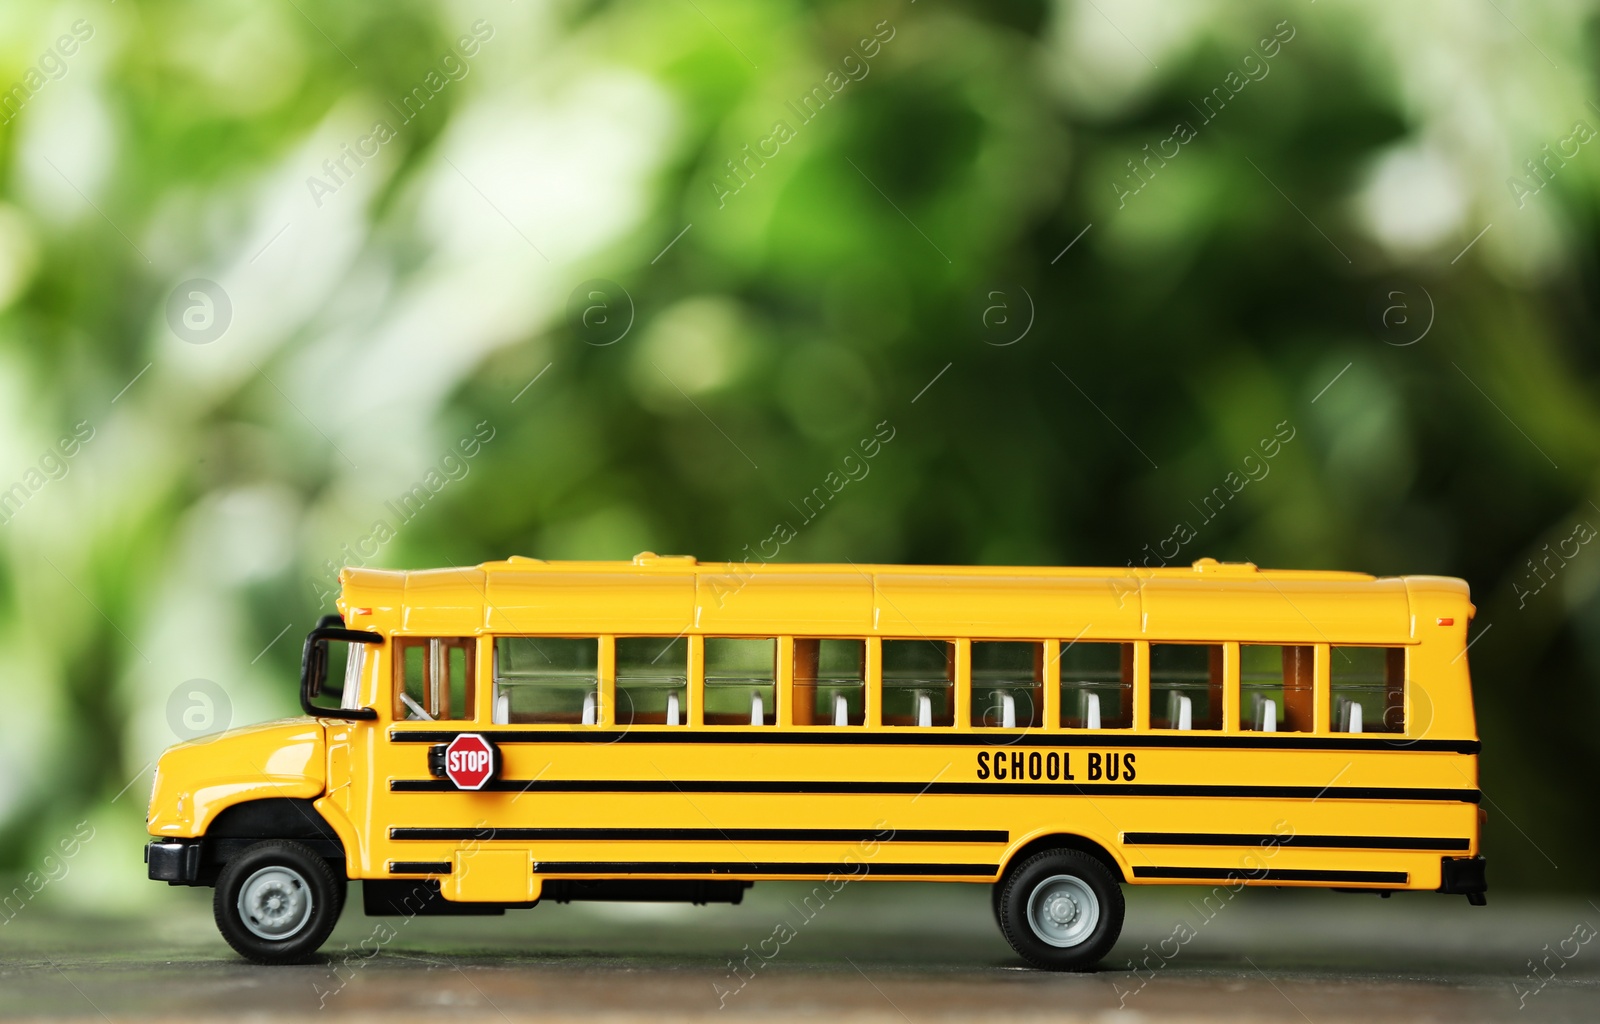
419, 867
749, 835
1325, 842
590, 867
1273, 875
977, 788
856, 737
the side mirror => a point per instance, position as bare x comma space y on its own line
314, 666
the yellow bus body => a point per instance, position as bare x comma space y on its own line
882, 802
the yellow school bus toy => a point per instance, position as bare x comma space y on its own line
664, 730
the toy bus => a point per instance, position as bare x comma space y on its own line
660, 730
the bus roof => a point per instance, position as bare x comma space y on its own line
673, 594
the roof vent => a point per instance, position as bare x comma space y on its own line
651, 558
1211, 565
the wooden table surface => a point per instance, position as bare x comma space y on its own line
875, 952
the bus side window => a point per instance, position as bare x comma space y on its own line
741, 681
1277, 691
1096, 685
652, 680
546, 679
830, 681
1186, 686
1007, 684
434, 679
919, 683
1367, 689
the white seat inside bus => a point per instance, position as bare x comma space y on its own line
841, 710
591, 709
1008, 711
1266, 714
1180, 711
502, 709
924, 711
1349, 715
672, 709
1090, 705
756, 715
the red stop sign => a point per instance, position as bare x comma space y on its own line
469, 761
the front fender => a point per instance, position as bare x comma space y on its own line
197, 780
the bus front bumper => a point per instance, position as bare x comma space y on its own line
174, 861
1465, 876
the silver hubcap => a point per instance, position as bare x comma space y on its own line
275, 903
1063, 910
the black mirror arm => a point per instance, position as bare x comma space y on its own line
314, 666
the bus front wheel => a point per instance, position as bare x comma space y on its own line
1061, 910
277, 902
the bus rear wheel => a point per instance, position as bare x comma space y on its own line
277, 902
1061, 910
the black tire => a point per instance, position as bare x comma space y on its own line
1070, 940
296, 893
995, 892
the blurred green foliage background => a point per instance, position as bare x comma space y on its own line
1075, 259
